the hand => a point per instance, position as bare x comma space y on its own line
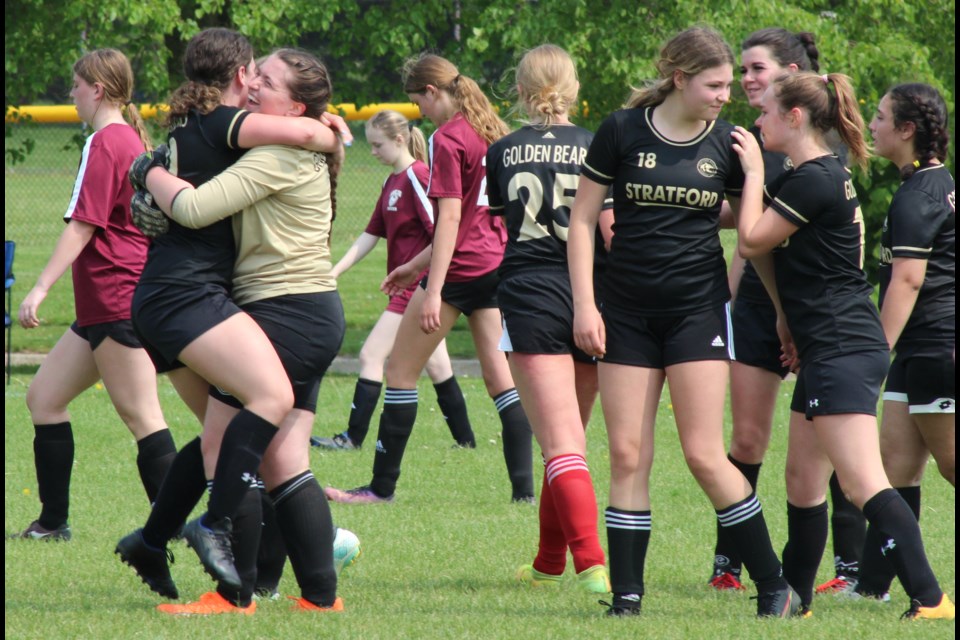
399, 279
338, 124
589, 332
430, 313
746, 146
27, 314
150, 220
159, 157
789, 357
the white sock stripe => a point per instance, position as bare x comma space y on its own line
400, 396
630, 521
306, 477
741, 514
506, 399
563, 464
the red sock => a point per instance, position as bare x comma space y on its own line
552, 554
576, 507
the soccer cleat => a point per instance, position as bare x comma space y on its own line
784, 603
360, 495
524, 500
805, 612
149, 562
726, 581
302, 604
339, 442
36, 532
346, 549
856, 594
209, 604
943, 611
594, 579
840, 584
623, 606
212, 544
263, 594
528, 575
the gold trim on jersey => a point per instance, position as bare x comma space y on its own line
648, 115
791, 210
601, 174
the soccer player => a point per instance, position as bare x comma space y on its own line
106, 254
532, 177
467, 249
814, 228
665, 298
404, 216
917, 305
756, 372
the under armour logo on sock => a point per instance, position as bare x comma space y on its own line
889, 546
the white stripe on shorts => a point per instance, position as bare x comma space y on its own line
505, 343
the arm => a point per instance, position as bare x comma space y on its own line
444, 244
906, 278
357, 252
606, 227
588, 330
72, 241
260, 129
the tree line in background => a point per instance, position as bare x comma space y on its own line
364, 42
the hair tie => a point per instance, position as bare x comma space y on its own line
916, 163
457, 79
409, 125
826, 79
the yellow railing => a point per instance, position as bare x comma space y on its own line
66, 113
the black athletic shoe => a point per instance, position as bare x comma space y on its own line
149, 563
339, 442
784, 603
212, 544
623, 605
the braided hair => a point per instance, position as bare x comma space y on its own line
923, 106
787, 48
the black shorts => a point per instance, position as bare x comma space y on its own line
307, 331
658, 342
841, 384
120, 332
467, 297
169, 317
755, 334
537, 310
927, 382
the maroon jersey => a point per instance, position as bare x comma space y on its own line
404, 215
107, 270
458, 158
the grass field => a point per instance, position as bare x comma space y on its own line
438, 563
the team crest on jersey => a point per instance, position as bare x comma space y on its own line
707, 167
392, 201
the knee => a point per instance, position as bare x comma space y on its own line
626, 461
749, 443
946, 464
42, 409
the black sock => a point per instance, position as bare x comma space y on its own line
454, 410
849, 532
53, 457
247, 524
182, 488
304, 518
365, 396
806, 540
748, 531
273, 552
725, 556
628, 535
396, 425
155, 454
876, 572
902, 545
517, 443
246, 438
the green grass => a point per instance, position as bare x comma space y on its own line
438, 563
37, 191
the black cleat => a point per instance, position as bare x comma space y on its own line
623, 606
212, 544
783, 603
149, 563
339, 442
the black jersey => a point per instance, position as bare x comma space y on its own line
201, 146
532, 178
819, 269
922, 224
751, 287
666, 257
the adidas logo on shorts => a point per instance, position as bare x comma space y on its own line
718, 342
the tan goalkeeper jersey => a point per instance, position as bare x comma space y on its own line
282, 229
